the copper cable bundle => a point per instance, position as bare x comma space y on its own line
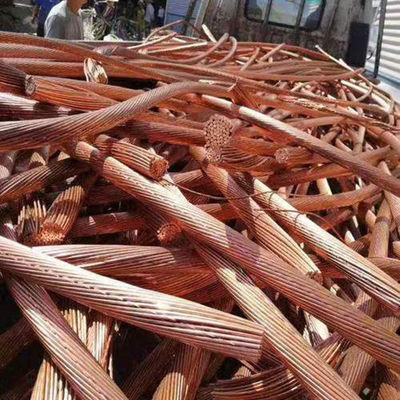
228, 229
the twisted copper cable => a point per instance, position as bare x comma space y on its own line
136, 157
149, 370
18, 185
30, 220
238, 160
357, 364
36, 133
183, 286
172, 154
357, 268
99, 337
38, 158
390, 385
11, 79
26, 51
187, 369
293, 177
63, 212
390, 265
7, 161
267, 232
157, 132
276, 383
22, 390
13, 108
50, 382
187, 321
296, 156
103, 224
335, 218
176, 384
109, 193
117, 92
124, 261
15, 38
284, 132
52, 93
249, 255
393, 201
309, 368
14, 340
324, 202
65, 348
168, 233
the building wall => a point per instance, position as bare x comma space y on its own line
333, 34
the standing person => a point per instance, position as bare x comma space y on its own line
40, 12
65, 21
160, 15
149, 16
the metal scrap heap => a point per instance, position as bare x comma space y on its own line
197, 218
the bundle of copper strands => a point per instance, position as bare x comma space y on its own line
196, 219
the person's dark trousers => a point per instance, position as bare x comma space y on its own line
40, 30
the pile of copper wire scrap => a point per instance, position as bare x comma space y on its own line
196, 218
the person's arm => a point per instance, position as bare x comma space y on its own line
54, 27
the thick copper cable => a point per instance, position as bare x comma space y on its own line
52, 93
267, 232
393, 201
309, 368
295, 156
136, 157
50, 380
14, 340
118, 93
356, 364
241, 250
17, 185
65, 348
157, 132
285, 133
11, 79
187, 321
36, 133
346, 260
186, 371
13, 108
125, 261
274, 383
22, 390
176, 384
26, 51
167, 233
149, 370
292, 177
103, 224
8, 37
63, 212
390, 386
